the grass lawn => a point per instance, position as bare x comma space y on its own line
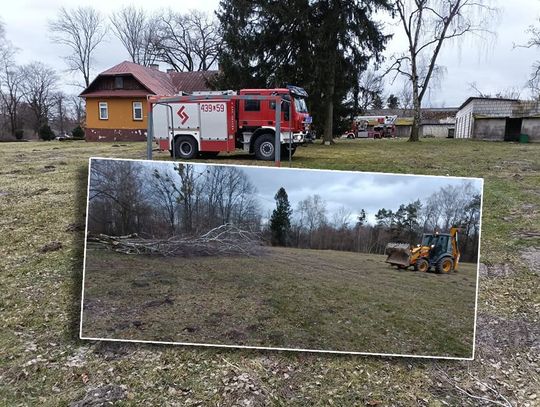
42, 206
288, 298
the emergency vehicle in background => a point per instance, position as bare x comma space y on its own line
222, 121
372, 127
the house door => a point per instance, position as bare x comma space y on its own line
512, 129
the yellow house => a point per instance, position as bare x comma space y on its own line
116, 99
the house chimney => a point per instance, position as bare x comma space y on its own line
155, 66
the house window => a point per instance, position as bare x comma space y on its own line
119, 82
137, 111
103, 111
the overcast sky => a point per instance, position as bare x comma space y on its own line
494, 65
353, 190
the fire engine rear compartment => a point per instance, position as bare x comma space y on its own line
207, 119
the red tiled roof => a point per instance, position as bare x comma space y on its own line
117, 93
156, 81
191, 81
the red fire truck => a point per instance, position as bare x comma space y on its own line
207, 123
372, 127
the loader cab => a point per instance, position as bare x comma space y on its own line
426, 239
440, 245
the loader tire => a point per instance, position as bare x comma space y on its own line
185, 147
264, 147
446, 265
422, 265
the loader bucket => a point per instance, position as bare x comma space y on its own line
399, 254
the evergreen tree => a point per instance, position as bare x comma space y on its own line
392, 102
385, 218
361, 219
280, 221
321, 45
46, 133
377, 102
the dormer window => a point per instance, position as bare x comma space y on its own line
119, 82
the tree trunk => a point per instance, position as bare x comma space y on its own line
417, 117
328, 137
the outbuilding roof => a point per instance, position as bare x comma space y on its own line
430, 115
471, 98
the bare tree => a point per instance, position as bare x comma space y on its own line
137, 32
82, 30
229, 198
188, 42
370, 88
39, 87
77, 107
311, 214
405, 96
533, 42
61, 112
428, 25
509, 93
11, 85
166, 195
117, 198
206, 39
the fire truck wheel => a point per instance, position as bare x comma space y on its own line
264, 147
185, 147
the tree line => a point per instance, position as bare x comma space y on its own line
335, 49
158, 201
310, 225
127, 197
31, 95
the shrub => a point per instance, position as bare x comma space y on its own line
78, 133
19, 133
45, 132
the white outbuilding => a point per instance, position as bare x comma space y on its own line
498, 119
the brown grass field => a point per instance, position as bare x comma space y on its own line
43, 361
287, 298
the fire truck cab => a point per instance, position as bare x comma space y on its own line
212, 122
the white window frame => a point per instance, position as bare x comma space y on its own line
141, 108
106, 106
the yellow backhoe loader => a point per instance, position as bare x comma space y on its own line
438, 251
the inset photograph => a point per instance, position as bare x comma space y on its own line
287, 259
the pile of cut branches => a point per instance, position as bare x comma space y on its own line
226, 239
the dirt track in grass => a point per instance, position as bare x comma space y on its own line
288, 298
